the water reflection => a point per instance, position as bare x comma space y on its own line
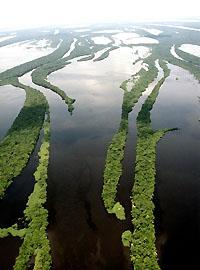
92, 238
191, 48
178, 186
11, 102
21, 52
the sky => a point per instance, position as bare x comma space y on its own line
26, 13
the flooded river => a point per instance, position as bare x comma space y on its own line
82, 234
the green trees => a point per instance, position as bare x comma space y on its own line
115, 152
22, 69
35, 242
142, 240
39, 77
20, 140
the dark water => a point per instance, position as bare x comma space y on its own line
12, 206
82, 234
177, 194
9, 250
127, 179
14, 201
16, 196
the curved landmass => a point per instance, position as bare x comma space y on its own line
39, 77
35, 242
20, 140
22, 69
46, 64
84, 47
194, 60
105, 54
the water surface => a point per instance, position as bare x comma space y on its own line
82, 234
11, 102
177, 195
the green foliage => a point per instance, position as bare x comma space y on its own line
13, 230
118, 210
85, 47
82, 48
39, 77
20, 140
127, 238
113, 169
35, 241
115, 152
192, 59
16, 147
143, 250
105, 54
22, 69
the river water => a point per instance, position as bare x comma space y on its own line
81, 233
177, 195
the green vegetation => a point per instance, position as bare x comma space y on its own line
35, 242
22, 69
115, 152
192, 59
143, 250
13, 230
105, 54
82, 48
193, 69
167, 40
126, 238
39, 77
85, 47
113, 170
43, 67
20, 140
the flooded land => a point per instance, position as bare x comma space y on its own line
99, 150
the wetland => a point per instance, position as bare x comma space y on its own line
99, 148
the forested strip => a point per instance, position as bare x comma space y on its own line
35, 242
192, 59
22, 69
18, 144
115, 152
39, 77
142, 240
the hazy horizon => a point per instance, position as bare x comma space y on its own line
21, 15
